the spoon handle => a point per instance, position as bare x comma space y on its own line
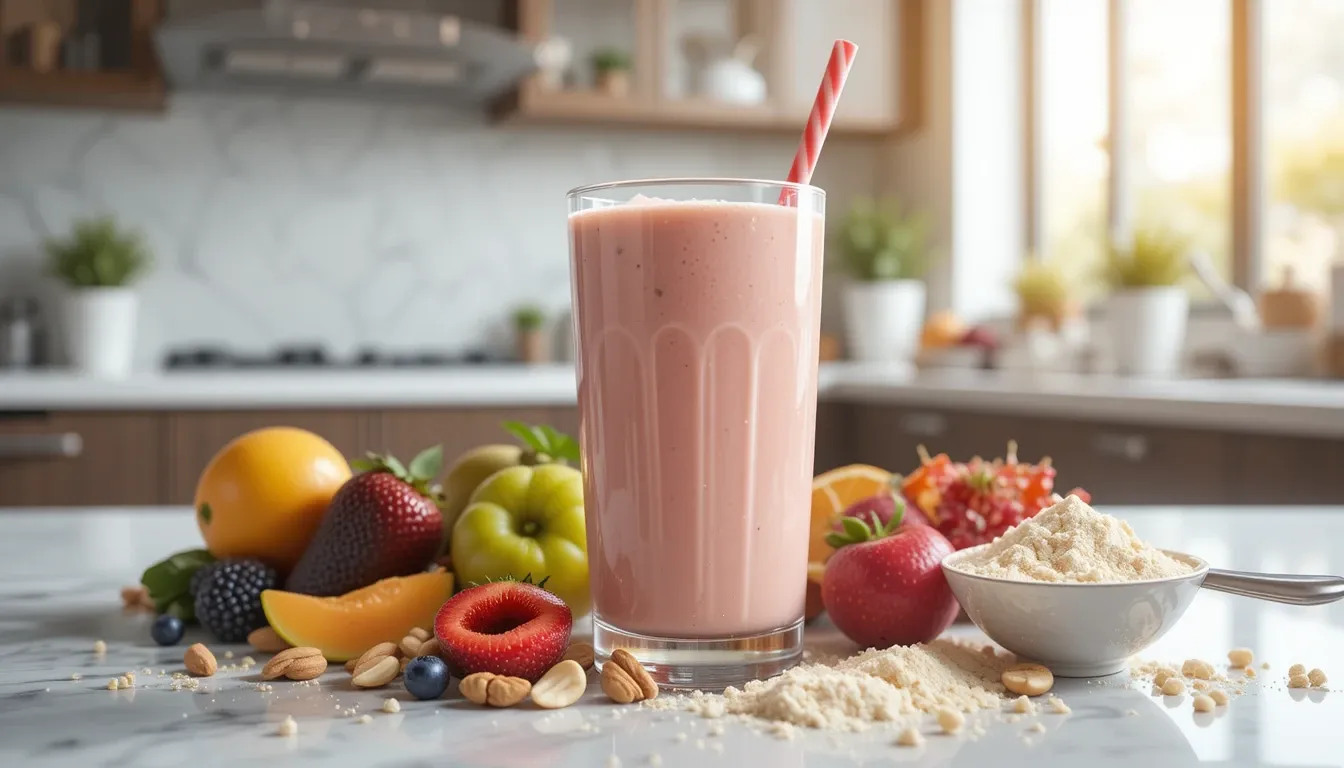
1278, 587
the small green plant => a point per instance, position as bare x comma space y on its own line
1156, 257
610, 60
1042, 289
98, 254
528, 318
879, 240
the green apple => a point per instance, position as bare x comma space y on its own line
526, 520
468, 472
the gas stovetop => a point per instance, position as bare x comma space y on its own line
302, 356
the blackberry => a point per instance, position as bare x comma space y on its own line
198, 578
228, 600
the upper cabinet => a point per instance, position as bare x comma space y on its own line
90, 53
718, 64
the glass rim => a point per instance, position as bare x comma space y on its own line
687, 181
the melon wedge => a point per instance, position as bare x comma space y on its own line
345, 627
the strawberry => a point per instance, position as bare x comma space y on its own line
507, 627
885, 586
381, 523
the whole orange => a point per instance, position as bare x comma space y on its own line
263, 495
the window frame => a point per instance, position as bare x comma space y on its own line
1247, 161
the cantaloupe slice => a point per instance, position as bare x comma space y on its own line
345, 627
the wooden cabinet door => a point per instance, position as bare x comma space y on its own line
405, 432
82, 459
1278, 470
195, 436
890, 436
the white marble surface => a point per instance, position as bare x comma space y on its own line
1303, 407
60, 570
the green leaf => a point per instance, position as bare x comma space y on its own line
394, 465
205, 513
364, 465
428, 463
169, 580
524, 433
855, 529
183, 608
837, 540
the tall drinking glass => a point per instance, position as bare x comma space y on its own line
697, 308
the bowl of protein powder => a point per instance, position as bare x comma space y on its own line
1074, 589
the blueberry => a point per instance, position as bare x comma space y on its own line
167, 630
426, 677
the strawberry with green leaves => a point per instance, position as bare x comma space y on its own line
383, 522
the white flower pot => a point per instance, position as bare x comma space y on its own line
883, 319
1147, 330
100, 329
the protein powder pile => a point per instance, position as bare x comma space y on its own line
876, 686
1072, 542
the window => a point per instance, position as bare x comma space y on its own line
1220, 119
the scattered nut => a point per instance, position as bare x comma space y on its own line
410, 646
350, 666
1162, 676
374, 654
1219, 698
950, 720
910, 737
494, 690
420, 633
99, 647
1250, 671
199, 661
391, 706
1203, 703
1240, 657
288, 727
296, 664
1299, 681
1297, 669
1174, 686
1317, 677
267, 641
1027, 679
376, 674
561, 686
1198, 669
624, 680
430, 648
580, 652
136, 598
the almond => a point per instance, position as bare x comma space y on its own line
376, 674
420, 633
199, 661
628, 677
582, 653
267, 641
296, 664
494, 690
410, 646
377, 651
561, 686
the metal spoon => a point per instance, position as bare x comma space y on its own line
1277, 587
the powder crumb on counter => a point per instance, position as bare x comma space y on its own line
1219, 698
1197, 668
613, 761
364, 719
950, 720
1240, 658
99, 648
1317, 678
1037, 728
1024, 706
681, 737
1072, 542
910, 737
1297, 669
76, 676
391, 706
287, 727
782, 730
1131, 713
655, 759
936, 674
1059, 707
1012, 719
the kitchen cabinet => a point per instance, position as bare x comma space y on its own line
406, 432
1276, 470
194, 437
77, 459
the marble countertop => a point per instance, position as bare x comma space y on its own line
1300, 407
60, 571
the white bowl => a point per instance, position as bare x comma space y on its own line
1077, 630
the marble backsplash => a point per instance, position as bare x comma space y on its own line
282, 221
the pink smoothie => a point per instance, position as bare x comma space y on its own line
697, 328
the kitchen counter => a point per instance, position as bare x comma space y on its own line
60, 571
1296, 407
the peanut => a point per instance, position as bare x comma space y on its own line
1027, 679
561, 686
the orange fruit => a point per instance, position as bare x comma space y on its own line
345, 627
832, 493
264, 494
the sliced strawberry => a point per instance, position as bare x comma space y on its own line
506, 627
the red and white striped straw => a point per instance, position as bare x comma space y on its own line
819, 121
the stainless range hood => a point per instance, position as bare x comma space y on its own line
435, 51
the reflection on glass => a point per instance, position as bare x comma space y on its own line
1073, 112
1304, 138
1180, 120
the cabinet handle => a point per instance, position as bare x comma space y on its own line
64, 445
923, 424
1128, 447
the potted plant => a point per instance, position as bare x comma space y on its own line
527, 323
882, 248
611, 71
98, 263
1043, 294
1148, 308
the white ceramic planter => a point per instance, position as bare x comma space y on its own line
100, 329
1147, 330
883, 319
